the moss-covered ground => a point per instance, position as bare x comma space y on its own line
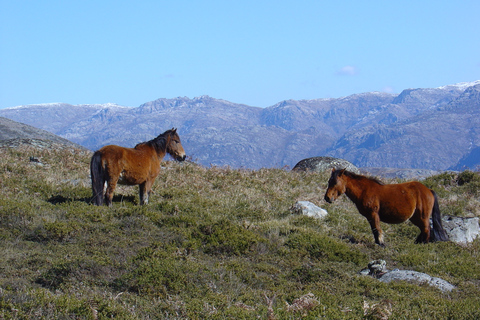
214, 243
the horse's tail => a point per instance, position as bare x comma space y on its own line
97, 173
437, 233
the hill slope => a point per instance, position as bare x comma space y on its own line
214, 243
14, 133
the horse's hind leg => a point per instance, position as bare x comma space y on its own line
143, 193
424, 236
423, 223
111, 185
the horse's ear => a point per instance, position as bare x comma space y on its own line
342, 171
174, 130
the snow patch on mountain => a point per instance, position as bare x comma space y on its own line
108, 105
460, 86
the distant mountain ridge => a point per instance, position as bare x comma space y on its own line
424, 128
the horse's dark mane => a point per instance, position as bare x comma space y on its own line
159, 143
357, 176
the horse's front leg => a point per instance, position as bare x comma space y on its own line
374, 220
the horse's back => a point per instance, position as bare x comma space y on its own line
112, 150
406, 190
421, 192
114, 158
399, 202
117, 154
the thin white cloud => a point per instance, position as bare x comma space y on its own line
388, 89
348, 71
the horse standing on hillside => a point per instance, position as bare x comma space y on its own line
389, 203
131, 166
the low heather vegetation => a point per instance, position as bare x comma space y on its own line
214, 243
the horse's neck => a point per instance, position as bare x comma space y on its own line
160, 153
161, 150
354, 189
152, 150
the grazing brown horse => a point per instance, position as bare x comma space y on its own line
132, 166
389, 203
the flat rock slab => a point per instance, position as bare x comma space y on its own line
418, 277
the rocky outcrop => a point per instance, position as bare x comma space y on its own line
396, 173
321, 164
461, 230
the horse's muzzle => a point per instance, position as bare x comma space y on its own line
328, 199
181, 158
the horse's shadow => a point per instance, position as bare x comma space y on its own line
60, 199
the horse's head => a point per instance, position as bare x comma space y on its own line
174, 146
336, 185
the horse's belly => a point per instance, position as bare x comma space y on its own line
127, 180
392, 219
395, 215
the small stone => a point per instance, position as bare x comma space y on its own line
309, 209
377, 267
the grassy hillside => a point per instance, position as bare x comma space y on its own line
214, 243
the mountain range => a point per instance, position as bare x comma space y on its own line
427, 128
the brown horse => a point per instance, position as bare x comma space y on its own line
132, 166
389, 203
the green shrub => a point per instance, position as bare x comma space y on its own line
442, 180
323, 247
467, 177
158, 271
470, 182
53, 231
225, 237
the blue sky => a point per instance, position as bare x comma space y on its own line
252, 52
